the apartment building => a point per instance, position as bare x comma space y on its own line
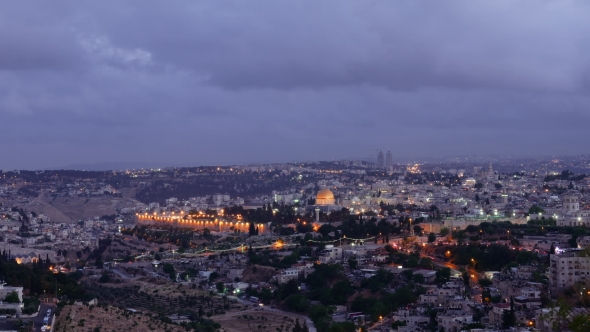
569, 267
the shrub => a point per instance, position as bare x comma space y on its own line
12, 297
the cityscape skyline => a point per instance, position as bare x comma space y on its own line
295, 166
369, 159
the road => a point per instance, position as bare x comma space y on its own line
476, 295
475, 276
38, 321
384, 324
121, 274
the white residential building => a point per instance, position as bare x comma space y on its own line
330, 254
286, 275
568, 268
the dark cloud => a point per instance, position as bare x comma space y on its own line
206, 82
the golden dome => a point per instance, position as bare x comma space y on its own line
325, 194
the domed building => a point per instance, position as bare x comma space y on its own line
324, 202
325, 197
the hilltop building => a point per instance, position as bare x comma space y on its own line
570, 214
324, 202
487, 174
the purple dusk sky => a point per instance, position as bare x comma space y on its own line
223, 82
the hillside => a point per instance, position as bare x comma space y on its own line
258, 273
72, 209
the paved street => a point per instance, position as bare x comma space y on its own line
121, 274
475, 276
38, 321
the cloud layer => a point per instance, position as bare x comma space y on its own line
217, 82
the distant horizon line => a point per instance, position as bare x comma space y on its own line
126, 165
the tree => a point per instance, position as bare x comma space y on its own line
444, 231
465, 275
417, 230
12, 297
98, 262
320, 315
397, 324
289, 288
408, 274
353, 263
169, 269
443, 275
431, 237
220, 287
536, 210
343, 327
297, 302
213, 276
305, 328
580, 323
325, 229
561, 317
485, 282
425, 263
509, 318
473, 326
105, 277
419, 278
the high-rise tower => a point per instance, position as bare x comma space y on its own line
380, 160
388, 160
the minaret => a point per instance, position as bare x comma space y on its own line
317, 215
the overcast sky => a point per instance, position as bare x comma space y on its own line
223, 82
